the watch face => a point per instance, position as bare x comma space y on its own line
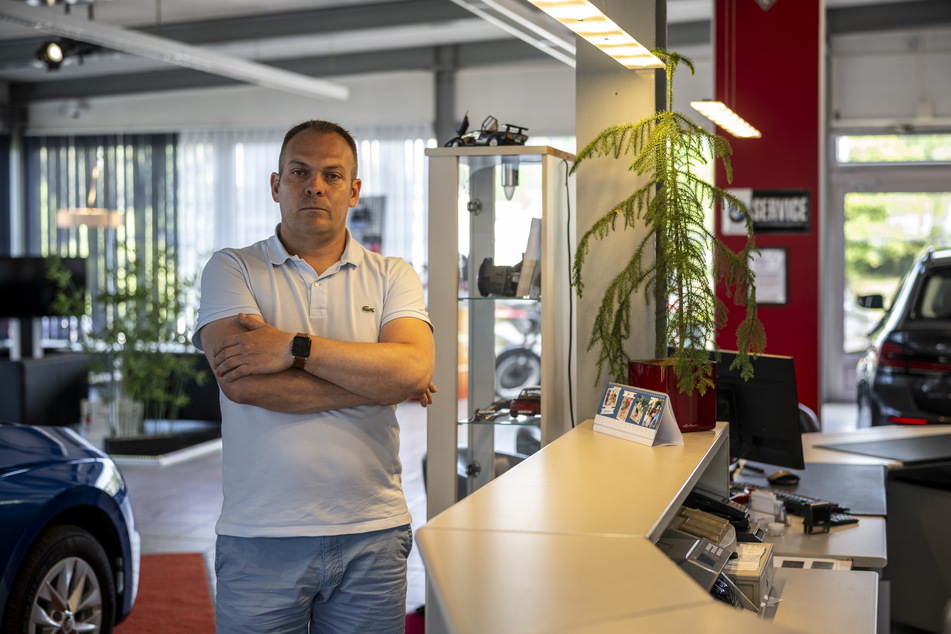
300, 347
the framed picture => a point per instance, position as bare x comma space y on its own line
770, 270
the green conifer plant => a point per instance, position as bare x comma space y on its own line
672, 260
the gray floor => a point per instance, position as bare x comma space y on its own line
176, 503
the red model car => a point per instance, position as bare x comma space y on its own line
528, 402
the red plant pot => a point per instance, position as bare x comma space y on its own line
695, 411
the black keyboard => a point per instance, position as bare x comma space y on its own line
796, 504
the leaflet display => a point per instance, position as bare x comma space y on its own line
634, 413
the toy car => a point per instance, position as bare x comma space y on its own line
489, 134
528, 402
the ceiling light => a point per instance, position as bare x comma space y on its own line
723, 116
51, 54
589, 22
170, 51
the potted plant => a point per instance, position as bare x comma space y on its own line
140, 346
672, 258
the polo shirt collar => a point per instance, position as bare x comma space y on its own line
278, 255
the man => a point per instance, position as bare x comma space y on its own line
313, 340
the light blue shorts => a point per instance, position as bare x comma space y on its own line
340, 583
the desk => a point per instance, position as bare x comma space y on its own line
814, 450
864, 544
799, 587
564, 542
919, 552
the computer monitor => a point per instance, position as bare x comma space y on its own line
25, 289
763, 412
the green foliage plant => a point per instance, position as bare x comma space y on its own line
141, 344
672, 258
68, 300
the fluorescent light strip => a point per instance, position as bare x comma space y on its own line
723, 116
502, 15
169, 51
589, 22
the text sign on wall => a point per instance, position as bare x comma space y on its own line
772, 211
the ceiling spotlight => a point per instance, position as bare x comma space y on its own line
51, 54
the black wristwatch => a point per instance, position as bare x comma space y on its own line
300, 349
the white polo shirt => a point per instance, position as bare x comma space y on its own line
329, 473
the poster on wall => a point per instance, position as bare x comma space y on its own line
772, 211
769, 267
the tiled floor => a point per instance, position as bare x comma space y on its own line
176, 505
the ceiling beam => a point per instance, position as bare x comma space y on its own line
469, 55
168, 51
314, 22
892, 16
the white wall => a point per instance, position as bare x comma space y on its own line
391, 99
538, 95
891, 79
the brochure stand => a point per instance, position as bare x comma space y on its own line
634, 413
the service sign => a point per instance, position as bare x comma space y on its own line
772, 211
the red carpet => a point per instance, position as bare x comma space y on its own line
174, 597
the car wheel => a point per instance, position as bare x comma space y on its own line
493, 141
65, 584
516, 369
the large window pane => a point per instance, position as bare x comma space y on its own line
893, 148
884, 232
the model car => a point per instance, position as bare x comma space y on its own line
904, 376
527, 403
489, 134
69, 549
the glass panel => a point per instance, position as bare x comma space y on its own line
936, 298
894, 148
883, 235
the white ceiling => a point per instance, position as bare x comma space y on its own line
298, 35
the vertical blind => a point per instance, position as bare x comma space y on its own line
225, 198
184, 195
134, 175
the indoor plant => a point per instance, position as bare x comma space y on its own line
139, 344
672, 203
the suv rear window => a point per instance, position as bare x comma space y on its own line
935, 298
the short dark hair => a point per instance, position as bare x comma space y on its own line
320, 127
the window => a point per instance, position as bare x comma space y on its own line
893, 148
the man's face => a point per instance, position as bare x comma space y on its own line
315, 188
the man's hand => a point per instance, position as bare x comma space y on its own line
261, 349
426, 398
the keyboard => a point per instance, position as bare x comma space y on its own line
796, 503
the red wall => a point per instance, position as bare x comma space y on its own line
768, 70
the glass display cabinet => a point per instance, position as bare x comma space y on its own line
500, 244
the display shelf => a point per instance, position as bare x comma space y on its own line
498, 294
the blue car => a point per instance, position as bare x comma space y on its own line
69, 550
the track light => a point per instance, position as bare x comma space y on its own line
51, 54
54, 52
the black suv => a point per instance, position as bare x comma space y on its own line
904, 377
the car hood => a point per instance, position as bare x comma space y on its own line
22, 445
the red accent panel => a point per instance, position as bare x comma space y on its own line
768, 70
